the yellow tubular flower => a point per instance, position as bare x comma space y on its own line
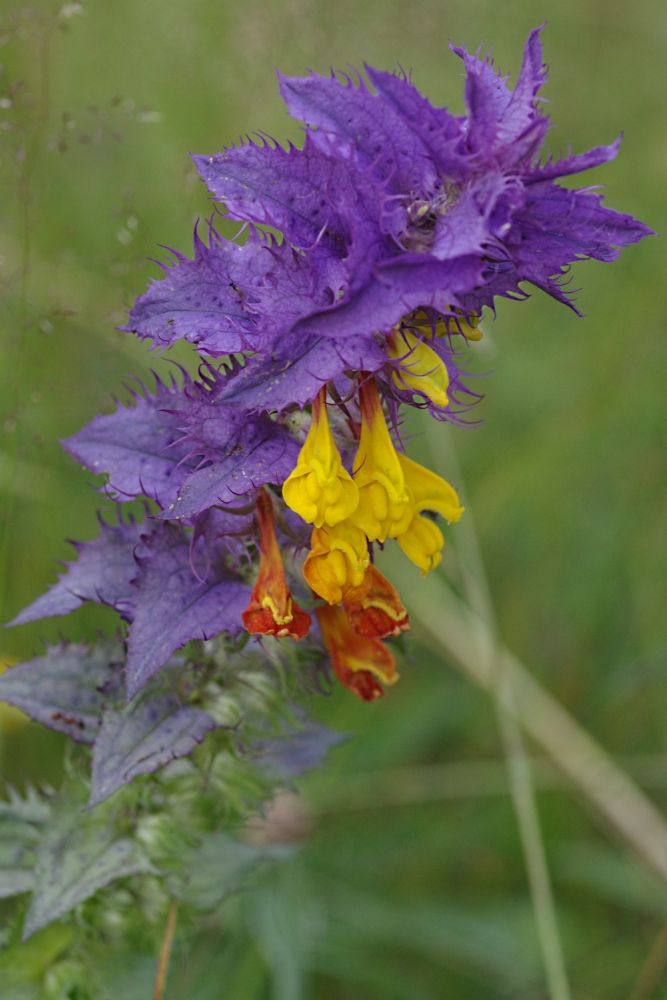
384, 508
421, 368
422, 541
337, 561
319, 489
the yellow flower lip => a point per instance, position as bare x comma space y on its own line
428, 491
384, 503
421, 369
319, 488
448, 326
337, 561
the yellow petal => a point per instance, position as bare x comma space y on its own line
447, 326
429, 491
422, 543
384, 502
421, 368
320, 489
337, 561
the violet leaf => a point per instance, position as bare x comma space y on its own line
102, 574
66, 689
140, 447
297, 750
261, 452
173, 605
142, 737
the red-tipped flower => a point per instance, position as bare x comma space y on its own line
375, 610
356, 660
271, 610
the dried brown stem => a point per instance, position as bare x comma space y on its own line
165, 953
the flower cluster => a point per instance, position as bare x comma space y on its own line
277, 473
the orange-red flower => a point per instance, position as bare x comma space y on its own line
357, 662
271, 610
375, 610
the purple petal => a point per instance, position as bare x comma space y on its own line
233, 298
521, 111
440, 132
212, 524
103, 573
63, 690
351, 120
298, 369
573, 164
491, 80
151, 731
405, 283
481, 214
198, 300
138, 446
502, 120
558, 226
261, 452
287, 190
173, 606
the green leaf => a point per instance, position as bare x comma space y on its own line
218, 867
20, 822
77, 857
28, 961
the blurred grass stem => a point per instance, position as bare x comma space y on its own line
26, 167
165, 953
653, 968
519, 772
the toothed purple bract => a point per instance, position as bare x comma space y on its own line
173, 606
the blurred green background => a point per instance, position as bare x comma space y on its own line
566, 476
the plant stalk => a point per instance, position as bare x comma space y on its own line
165, 953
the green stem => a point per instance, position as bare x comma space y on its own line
478, 596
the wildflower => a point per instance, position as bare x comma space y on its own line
358, 662
420, 367
337, 561
399, 223
320, 489
384, 508
375, 609
271, 610
422, 540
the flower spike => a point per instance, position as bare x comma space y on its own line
271, 610
320, 489
357, 662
